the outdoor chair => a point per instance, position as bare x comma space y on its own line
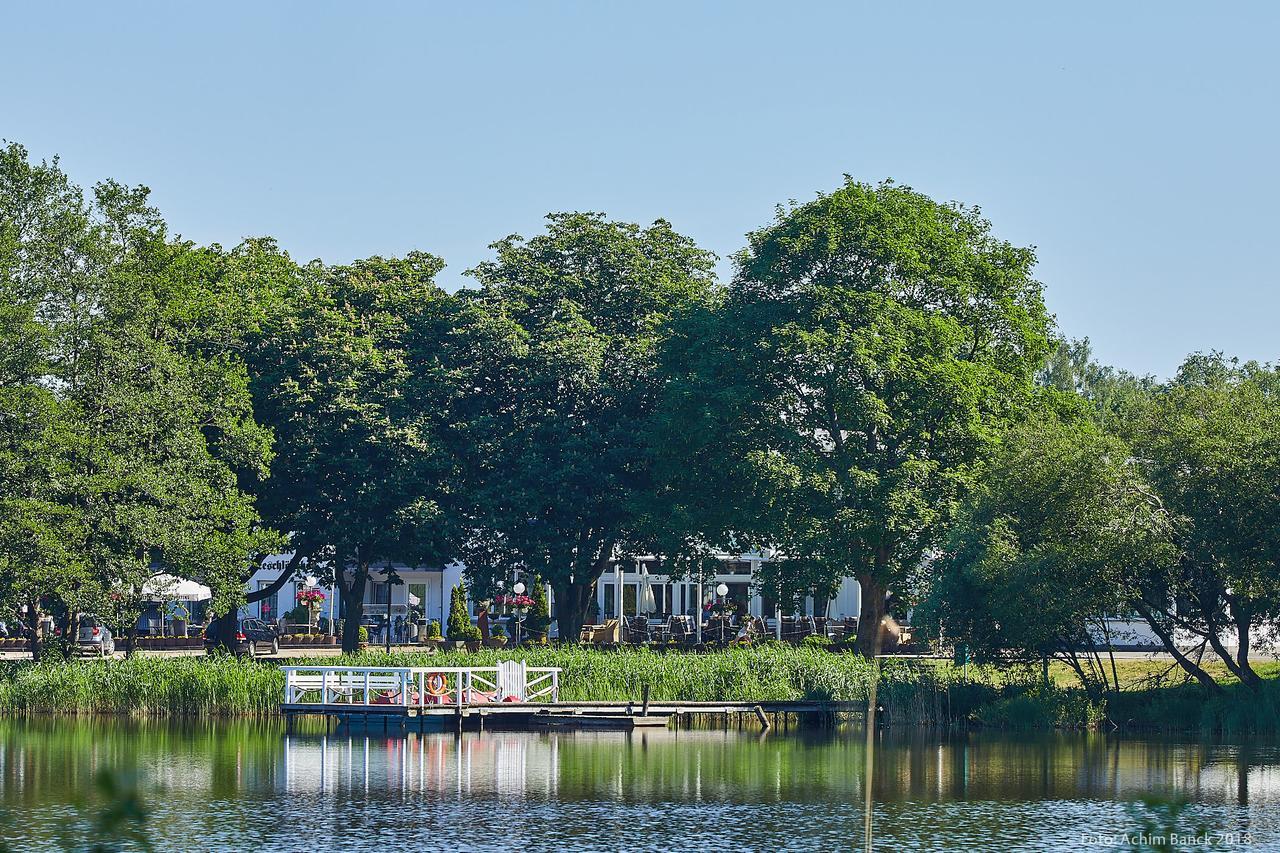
637, 630
610, 633
680, 628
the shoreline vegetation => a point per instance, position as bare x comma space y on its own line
924, 692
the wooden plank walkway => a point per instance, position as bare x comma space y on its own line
573, 708
508, 694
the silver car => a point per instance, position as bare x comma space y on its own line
95, 638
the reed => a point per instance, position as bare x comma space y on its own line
908, 693
224, 685
141, 686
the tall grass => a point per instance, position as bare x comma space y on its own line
908, 694
223, 685
141, 686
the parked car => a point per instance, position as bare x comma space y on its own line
253, 637
95, 637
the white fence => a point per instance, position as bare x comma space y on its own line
418, 687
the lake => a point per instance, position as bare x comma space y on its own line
252, 785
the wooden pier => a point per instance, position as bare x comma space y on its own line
510, 695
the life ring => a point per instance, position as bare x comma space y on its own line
436, 685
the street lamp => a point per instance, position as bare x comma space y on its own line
722, 589
520, 611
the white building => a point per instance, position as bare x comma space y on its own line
427, 589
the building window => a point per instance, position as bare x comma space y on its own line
266, 607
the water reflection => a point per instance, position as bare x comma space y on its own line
231, 784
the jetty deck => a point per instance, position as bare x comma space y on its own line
509, 694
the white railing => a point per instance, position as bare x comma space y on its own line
418, 687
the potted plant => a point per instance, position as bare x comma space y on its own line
460, 628
310, 600
179, 615
364, 638
538, 624
497, 637
472, 639
431, 635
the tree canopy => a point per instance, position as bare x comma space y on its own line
876, 394
347, 373
870, 347
127, 430
558, 351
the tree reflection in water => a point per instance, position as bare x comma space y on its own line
235, 783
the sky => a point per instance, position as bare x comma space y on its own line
1134, 144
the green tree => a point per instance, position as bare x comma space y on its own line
459, 626
1210, 445
871, 345
1116, 398
1047, 551
558, 349
139, 426
539, 620
347, 372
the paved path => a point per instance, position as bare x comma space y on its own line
303, 652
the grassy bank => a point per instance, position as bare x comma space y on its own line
908, 693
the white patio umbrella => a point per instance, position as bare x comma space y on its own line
647, 604
165, 587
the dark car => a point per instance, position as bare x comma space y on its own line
253, 637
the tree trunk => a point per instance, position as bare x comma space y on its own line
1243, 624
870, 616
1189, 666
352, 606
225, 625
224, 629
33, 629
66, 641
572, 600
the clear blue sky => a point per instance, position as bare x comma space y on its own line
1133, 143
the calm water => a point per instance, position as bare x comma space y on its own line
253, 786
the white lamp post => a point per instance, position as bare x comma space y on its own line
520, 610
722, 589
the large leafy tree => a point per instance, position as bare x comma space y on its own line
559, 347
348, 374
137, 424
1047, 552
1210, 445
870, 346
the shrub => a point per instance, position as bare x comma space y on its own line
1042, 707
539, 621
364, 634
817, 640
459, 621
433, 629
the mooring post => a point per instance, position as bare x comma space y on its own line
644, 701
762, 717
